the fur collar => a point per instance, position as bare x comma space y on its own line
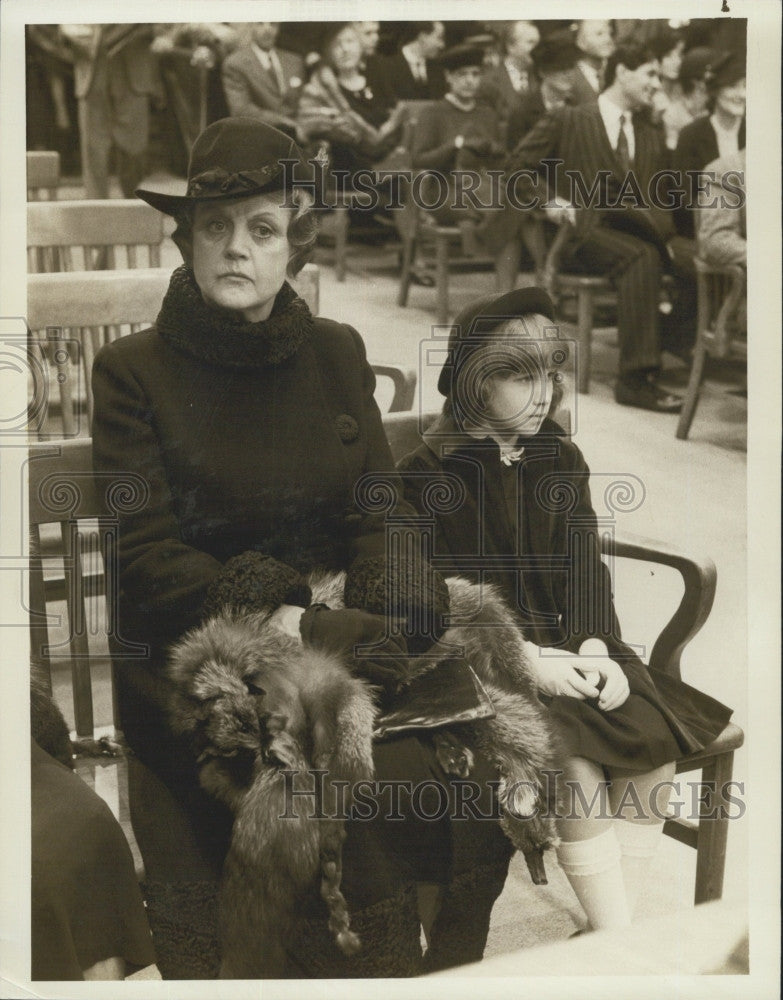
222, 337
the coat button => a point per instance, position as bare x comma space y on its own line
347, 428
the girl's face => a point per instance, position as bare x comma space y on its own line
518, 402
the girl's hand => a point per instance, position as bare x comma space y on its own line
559, 676
615, 688
609, 677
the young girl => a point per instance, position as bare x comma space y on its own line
526, 519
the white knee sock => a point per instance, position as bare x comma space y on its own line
638, 843
593, 869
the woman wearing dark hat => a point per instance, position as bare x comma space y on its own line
527, 498
719, 133
250, 421
690, 102
458, 133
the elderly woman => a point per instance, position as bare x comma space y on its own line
250, 422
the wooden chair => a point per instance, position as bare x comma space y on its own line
72, 315
721, 292
699, 575
82, 235
43, 174
63, 491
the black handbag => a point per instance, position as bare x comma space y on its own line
448, 693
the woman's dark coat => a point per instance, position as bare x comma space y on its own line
240, 453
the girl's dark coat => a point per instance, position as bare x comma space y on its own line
558, 585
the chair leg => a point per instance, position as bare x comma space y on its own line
442, 278
692, 393
340, 241
406, 270
584, 332
713, 830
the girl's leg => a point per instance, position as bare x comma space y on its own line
638, 803
589, 853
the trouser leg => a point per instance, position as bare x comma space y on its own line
634, 268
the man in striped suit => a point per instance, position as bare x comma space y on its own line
612, 145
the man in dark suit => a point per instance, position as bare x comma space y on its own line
261, 81
595, 42
554, 59
504, 86
628, 244
114, 78
412, 74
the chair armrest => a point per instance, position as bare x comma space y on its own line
404, 380
699, 577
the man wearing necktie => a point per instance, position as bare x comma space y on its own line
261, 81
412, 73
504, 86
617, 237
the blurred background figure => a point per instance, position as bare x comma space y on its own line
458, 133
51, 109
189, 57
595, 42
719, 133
338, 104
114, 77
505, 85
669, 46
369, 33
554, 59
690, 99
261, 81
721, 230
412, 74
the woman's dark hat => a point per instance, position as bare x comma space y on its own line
460, 56
556, 52
727, 70
471, 326
234, 158
697, 64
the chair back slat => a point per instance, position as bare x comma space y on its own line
89, 309
63, 492
97, 228
43, 174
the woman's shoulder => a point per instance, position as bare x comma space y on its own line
335, 337
137, 348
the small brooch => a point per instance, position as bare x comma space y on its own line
347, 428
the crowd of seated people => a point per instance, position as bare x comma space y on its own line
624, 97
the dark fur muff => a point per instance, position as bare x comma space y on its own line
256, 703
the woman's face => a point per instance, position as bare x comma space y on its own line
731, 100
672, 61
345, 51
464, 83
240, 253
